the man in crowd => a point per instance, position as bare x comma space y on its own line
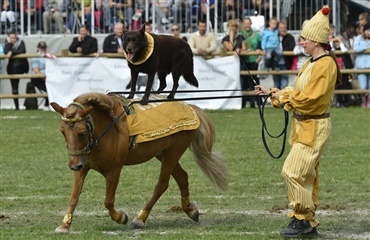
84, 43
203, 43
113, 42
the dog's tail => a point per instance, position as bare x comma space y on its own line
191, 79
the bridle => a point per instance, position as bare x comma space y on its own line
90, 126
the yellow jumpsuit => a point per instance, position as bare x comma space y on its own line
312, 94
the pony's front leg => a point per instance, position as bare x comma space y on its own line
112, 179
78, 181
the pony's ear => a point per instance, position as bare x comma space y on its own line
84, 112
57, 108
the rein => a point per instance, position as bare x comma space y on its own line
89, 122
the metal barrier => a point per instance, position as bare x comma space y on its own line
65, 17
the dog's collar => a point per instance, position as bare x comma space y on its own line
148, 52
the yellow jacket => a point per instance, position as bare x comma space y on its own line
312, 94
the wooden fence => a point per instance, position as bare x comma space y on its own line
65, 53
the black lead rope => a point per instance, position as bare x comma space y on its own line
261, 108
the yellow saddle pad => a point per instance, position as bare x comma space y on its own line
160, 119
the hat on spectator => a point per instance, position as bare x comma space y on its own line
366, 26
317, 28
42, 44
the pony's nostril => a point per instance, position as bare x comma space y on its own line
79, 167
76, 168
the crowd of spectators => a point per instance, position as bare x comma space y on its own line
66, 16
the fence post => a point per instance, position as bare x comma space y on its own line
64, 52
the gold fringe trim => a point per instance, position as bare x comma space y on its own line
148, 51
172, 127
185, 201
116, 216
68, 218
143, 215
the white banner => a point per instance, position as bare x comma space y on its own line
214, 74
66, 78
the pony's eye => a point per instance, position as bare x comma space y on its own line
83, 133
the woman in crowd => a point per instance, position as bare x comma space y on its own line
362, 61
14, 46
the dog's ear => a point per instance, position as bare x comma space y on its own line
142, 29
125, 30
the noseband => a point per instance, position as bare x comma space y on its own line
90, 127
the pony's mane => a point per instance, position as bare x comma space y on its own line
111, 104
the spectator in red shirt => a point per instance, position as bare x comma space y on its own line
35, 10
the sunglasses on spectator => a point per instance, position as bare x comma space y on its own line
174, 29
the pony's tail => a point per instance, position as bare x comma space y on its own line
212, 164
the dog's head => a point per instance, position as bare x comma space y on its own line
135, 44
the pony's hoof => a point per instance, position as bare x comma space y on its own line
124, 218
192, 211
194, 215
138, 223
63, 229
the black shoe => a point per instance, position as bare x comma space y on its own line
311, 234
296, 228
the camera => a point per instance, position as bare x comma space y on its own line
50, 6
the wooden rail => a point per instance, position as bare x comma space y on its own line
245, 93
222, 52
243, 73
25, 95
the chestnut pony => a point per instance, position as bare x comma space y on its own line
96, 116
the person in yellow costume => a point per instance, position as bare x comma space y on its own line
309, 99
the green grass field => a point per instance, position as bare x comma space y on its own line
36, 183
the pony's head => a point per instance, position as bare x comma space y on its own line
77, 128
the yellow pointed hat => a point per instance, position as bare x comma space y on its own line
317, 28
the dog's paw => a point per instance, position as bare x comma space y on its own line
143, 102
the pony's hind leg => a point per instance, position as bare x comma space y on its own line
169, 160
161, 187
112, 179
78, 181
181, 178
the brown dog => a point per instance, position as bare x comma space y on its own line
150, 53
